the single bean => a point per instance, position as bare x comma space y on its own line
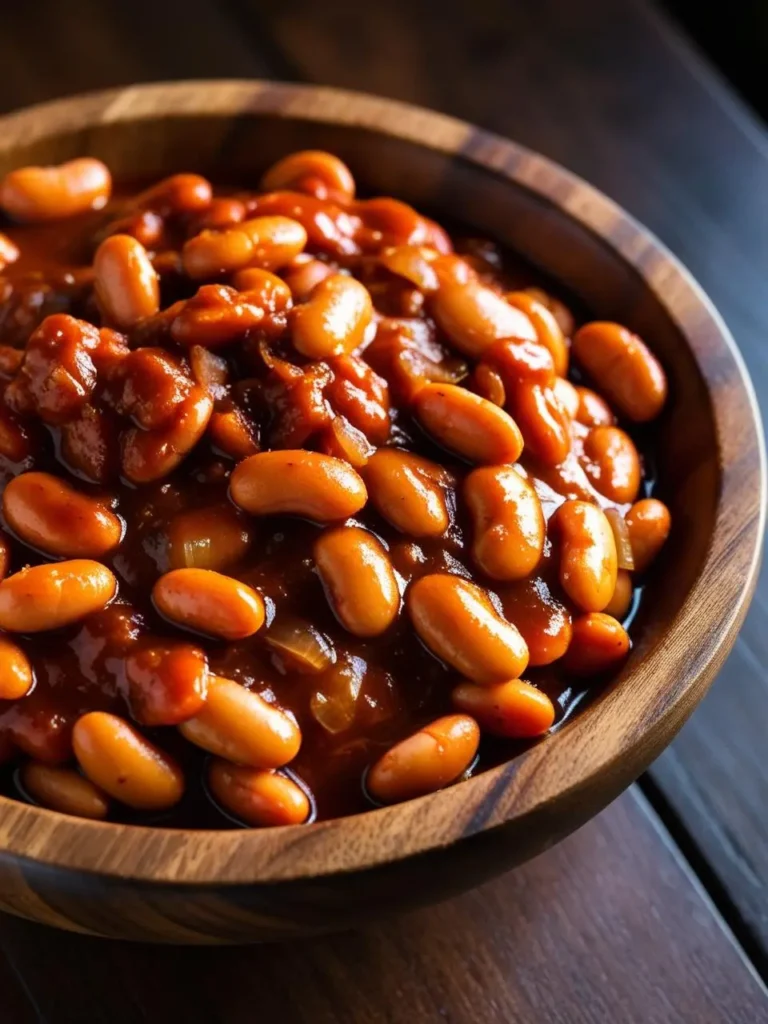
488, 384
409, 491
468, 424
264, 289
515, 709
358, 579
16, 675
620, 603
64, 790
649, 523
126, 284
623, 367
258, 798
53, 595
430, 759
303, 274
459, 624
123, 763
588, 560
296, 168
48, 514
222, 213
276, 240
37, 194
544, 622
558, 309
413, 263
508, 523
542, 421
592, 410
242, 727
208, 602
599, 644
548, 332
166, 682
334, 319
213, 253
612, 463
177, 195
151, 454
300, 483
567, 396
474, 316
208, 538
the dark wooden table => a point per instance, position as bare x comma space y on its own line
657, 910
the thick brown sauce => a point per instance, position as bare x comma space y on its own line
398, 684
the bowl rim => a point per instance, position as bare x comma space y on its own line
690, 651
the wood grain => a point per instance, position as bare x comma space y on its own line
193, 887
609, 926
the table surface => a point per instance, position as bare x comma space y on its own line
657, 910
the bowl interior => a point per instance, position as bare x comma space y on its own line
576, 237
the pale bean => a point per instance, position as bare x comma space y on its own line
127, 286
459, 624
649, 523
242, 727
548, 332
256, 797
428, 760
515, 709
123, 763
208, 602
50, 193
16, 675
624, 369
468, 424
64, 790
588, 559
333, 321
50, 515
358, 579
301, 483
409, 491
54, 595
508, 523
474, 316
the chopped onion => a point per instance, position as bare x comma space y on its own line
346, 442
209, 370
302, 647
335, 703
626, 559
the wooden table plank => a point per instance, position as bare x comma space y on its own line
608, 926
609, 90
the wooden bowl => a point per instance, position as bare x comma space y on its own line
247, 885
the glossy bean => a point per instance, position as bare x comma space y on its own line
64, 790
620, 603
612, 463
301, 483
592, 410
124, 764
53, 595
474, 317
558, 309
16, 675
126, 283
430, 759
409, 492
459, 624
544, 621
623, 368
207, 602
177, 195
468, 424
413, 263
214, 253
567, 396
542, 421
548, 331
303, 274
151, 454
599, 644
588, 560
296, 168
50, 515
507, 521
358, 579
36, 194
242, 727
649, 523
256, 797
515, 709
264, 289
208, 538
166, 682
334, 319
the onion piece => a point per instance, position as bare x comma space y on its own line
346, 442
626, 559
301, 646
